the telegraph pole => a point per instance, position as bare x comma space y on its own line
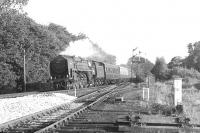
132, 69
24, 70
137, 76
132, 64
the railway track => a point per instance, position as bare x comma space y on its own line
93, 115
42, 119
94, 119
84, 120
71, 91
89, 104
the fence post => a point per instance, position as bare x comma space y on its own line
177, 91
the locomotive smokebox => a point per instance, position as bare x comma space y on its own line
59, 67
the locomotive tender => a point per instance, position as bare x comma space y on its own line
70, 71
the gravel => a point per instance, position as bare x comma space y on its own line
13, 108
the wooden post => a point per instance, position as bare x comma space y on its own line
132, 69
146, 94
177, 91
24, 70
75, 90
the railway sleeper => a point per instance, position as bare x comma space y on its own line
54, 116
22, 130
80, 131
81, 119
82, 122
91, 127
38, 123
88, 126
50, 119
29, 126
110, 111
43, 117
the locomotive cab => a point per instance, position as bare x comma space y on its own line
98, 72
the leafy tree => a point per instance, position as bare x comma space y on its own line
41, 44
140, 66
63, 36
7, 74
7, 77
10, 4
193, 60
160, 69
185, 73
175, 62
190, 48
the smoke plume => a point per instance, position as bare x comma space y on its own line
90, 50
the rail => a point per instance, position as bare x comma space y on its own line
12, 124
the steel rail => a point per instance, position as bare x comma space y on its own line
73, 115
21, 94
76, 114
61, 126
4, 127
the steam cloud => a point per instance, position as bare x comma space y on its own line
88, 49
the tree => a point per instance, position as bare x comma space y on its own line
193, 59
190, 48
160, 69
7, 77
63, 36
7, 5
141, 66
175, 62
18, 33
7, 74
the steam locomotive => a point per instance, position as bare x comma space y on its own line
70, 71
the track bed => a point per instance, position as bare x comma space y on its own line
79, 92
105, 117
39, 120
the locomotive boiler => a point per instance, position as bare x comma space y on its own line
70, 71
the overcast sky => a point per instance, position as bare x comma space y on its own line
157, 27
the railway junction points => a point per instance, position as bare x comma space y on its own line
109, 109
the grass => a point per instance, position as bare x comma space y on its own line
162, 93
191, 105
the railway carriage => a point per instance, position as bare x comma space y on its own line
125, 74
112, 73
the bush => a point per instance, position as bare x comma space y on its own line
162, 93
185, 73
7, 78
167, 110
160, 70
